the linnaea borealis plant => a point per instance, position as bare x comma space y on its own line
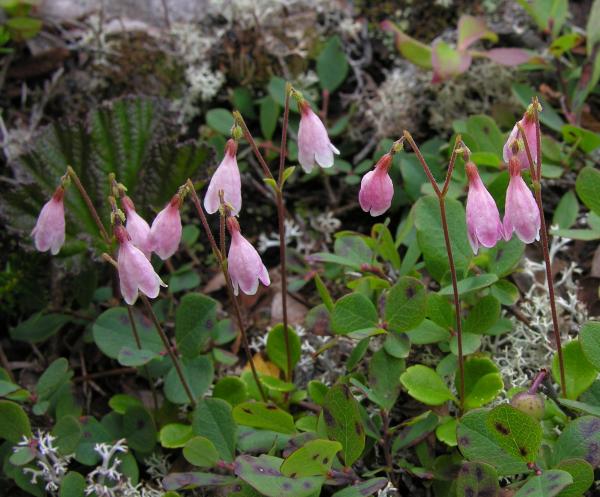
281, 435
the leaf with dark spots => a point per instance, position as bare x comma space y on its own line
548, 484
516, 432
175, 481
477, 479
312, 459
580, 439
477, 442
262, 473
265, 416
414, 430
363, 489
344, 423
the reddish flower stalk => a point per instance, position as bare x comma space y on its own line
88, 202
536, 175
441, 195
223, 264
280, 211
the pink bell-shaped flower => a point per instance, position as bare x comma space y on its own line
314, 146
226, 178
135, 271
137, 227
483, 219
243, 262
515, 145
49, 231
521, 213
165, 232
376, 188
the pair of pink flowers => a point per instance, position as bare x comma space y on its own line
521, 214
138, 240
163, 236
244, 264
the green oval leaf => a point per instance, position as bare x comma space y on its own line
343, 422
517, 433
14, 423
425, 385
265, 416
195, 321
579, 372
353, 312
313, 459
406, 304
276, 347
332, 66
262, 473
477, 479
548, 484
589, 337
201, 452
213, 419
477, 443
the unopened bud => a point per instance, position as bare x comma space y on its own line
529, 403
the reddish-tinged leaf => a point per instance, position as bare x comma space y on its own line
416, 52
472, 29
448, 62
508, 56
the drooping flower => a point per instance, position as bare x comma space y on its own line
165, 232
521, 212
483, 219
226, 178
49, 231
137, 227
245, 265
314, 146
515, 145
136, 274
376, 188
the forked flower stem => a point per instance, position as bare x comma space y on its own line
89, 204
94, 213
280, 212
223, 264
171, 352
441, 195
536, 176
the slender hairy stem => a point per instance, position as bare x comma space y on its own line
281, 222
441, 195
223, 264
451, 166
165, 340
419, 155
461, 360
138, 342
263, 164
88, 202
536, 173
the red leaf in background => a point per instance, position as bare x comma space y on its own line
508, 56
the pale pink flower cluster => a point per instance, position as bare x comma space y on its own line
483, 219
